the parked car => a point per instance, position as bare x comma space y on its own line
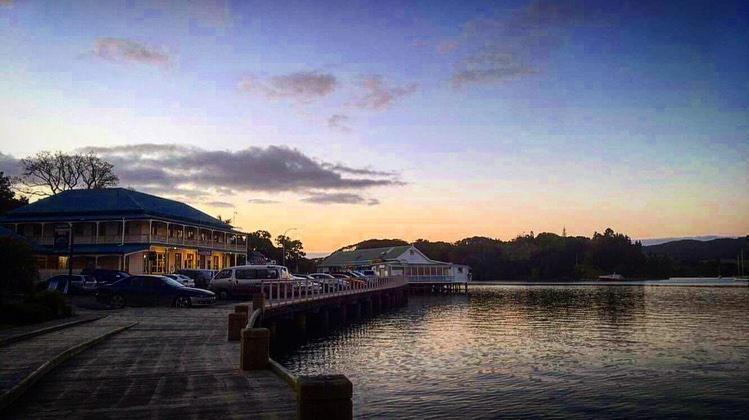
73, 284
201, 277
104, 276
148, 290
186, 281
244, 280
329, 282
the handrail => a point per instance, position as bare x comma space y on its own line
284, 292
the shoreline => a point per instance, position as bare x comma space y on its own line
675, 281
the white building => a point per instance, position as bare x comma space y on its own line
404, 260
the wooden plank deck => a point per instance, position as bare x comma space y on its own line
175, 363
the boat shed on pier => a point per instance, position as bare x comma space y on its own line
404, 260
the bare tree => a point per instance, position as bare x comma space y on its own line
96, 172
50, 173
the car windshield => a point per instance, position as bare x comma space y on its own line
172, 282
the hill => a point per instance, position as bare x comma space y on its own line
692, 251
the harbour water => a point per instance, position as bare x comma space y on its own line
559, 351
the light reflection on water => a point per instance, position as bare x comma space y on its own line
509, 351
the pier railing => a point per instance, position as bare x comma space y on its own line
286, 292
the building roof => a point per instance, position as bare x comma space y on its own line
110, 202
364, 256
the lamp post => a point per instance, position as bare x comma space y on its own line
283, 246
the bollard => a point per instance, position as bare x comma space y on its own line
258, 301
254, 349
242, 308
325, 397
237, 321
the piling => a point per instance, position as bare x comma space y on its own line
237, 321
254, 349
325, 397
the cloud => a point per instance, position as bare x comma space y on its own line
222, 204
272, 169
125, 50
261, 201
340, 198
491, 74
9, 165
302, 87
446, 47
338, 122
378, 95
339, 167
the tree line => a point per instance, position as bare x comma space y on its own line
548, 256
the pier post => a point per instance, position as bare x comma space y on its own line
254, 349
242, 308
258, 301
324, 315
343, 313
300, 322
325, 397
368, 307
237, 321
356, 309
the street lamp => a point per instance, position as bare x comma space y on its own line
283, 246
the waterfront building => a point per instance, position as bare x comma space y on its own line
122, 229
404, 260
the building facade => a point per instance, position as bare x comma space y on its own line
404, 260
117, 228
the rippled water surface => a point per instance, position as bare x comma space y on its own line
564, 351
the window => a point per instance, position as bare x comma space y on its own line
460, 269
245, 274
151, 282
225, 274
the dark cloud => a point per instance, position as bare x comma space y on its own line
340, 198
9, 165
339, 167
261, 201
125, 50
272, 168
518, 42
338, 122
300, 86
221, 204
378, 95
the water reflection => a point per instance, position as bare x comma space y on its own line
545, 350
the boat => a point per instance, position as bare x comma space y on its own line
611, 277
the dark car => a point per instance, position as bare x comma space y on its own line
202, 277
104, 276
153, 291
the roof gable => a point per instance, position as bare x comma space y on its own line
112, 202
365, 255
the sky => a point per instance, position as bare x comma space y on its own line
385, 119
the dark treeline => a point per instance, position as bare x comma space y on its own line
548, 256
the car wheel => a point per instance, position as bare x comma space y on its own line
223, 294
117, 301
182, 302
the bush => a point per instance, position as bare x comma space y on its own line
18, 271
54, 300
24, 313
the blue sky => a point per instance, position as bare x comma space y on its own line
490, 118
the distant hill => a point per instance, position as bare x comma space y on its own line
658, 241
691, 250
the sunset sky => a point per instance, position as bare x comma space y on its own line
441, 120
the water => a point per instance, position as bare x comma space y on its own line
558, 351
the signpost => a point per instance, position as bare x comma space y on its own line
63, 241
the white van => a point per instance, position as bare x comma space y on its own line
244, 280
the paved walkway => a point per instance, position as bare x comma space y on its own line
174, 363
18, 360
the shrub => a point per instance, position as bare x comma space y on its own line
53, 300
24, 313
18, 270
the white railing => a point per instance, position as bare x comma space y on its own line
284, 292
432, 279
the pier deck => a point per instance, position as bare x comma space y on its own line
174, 363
